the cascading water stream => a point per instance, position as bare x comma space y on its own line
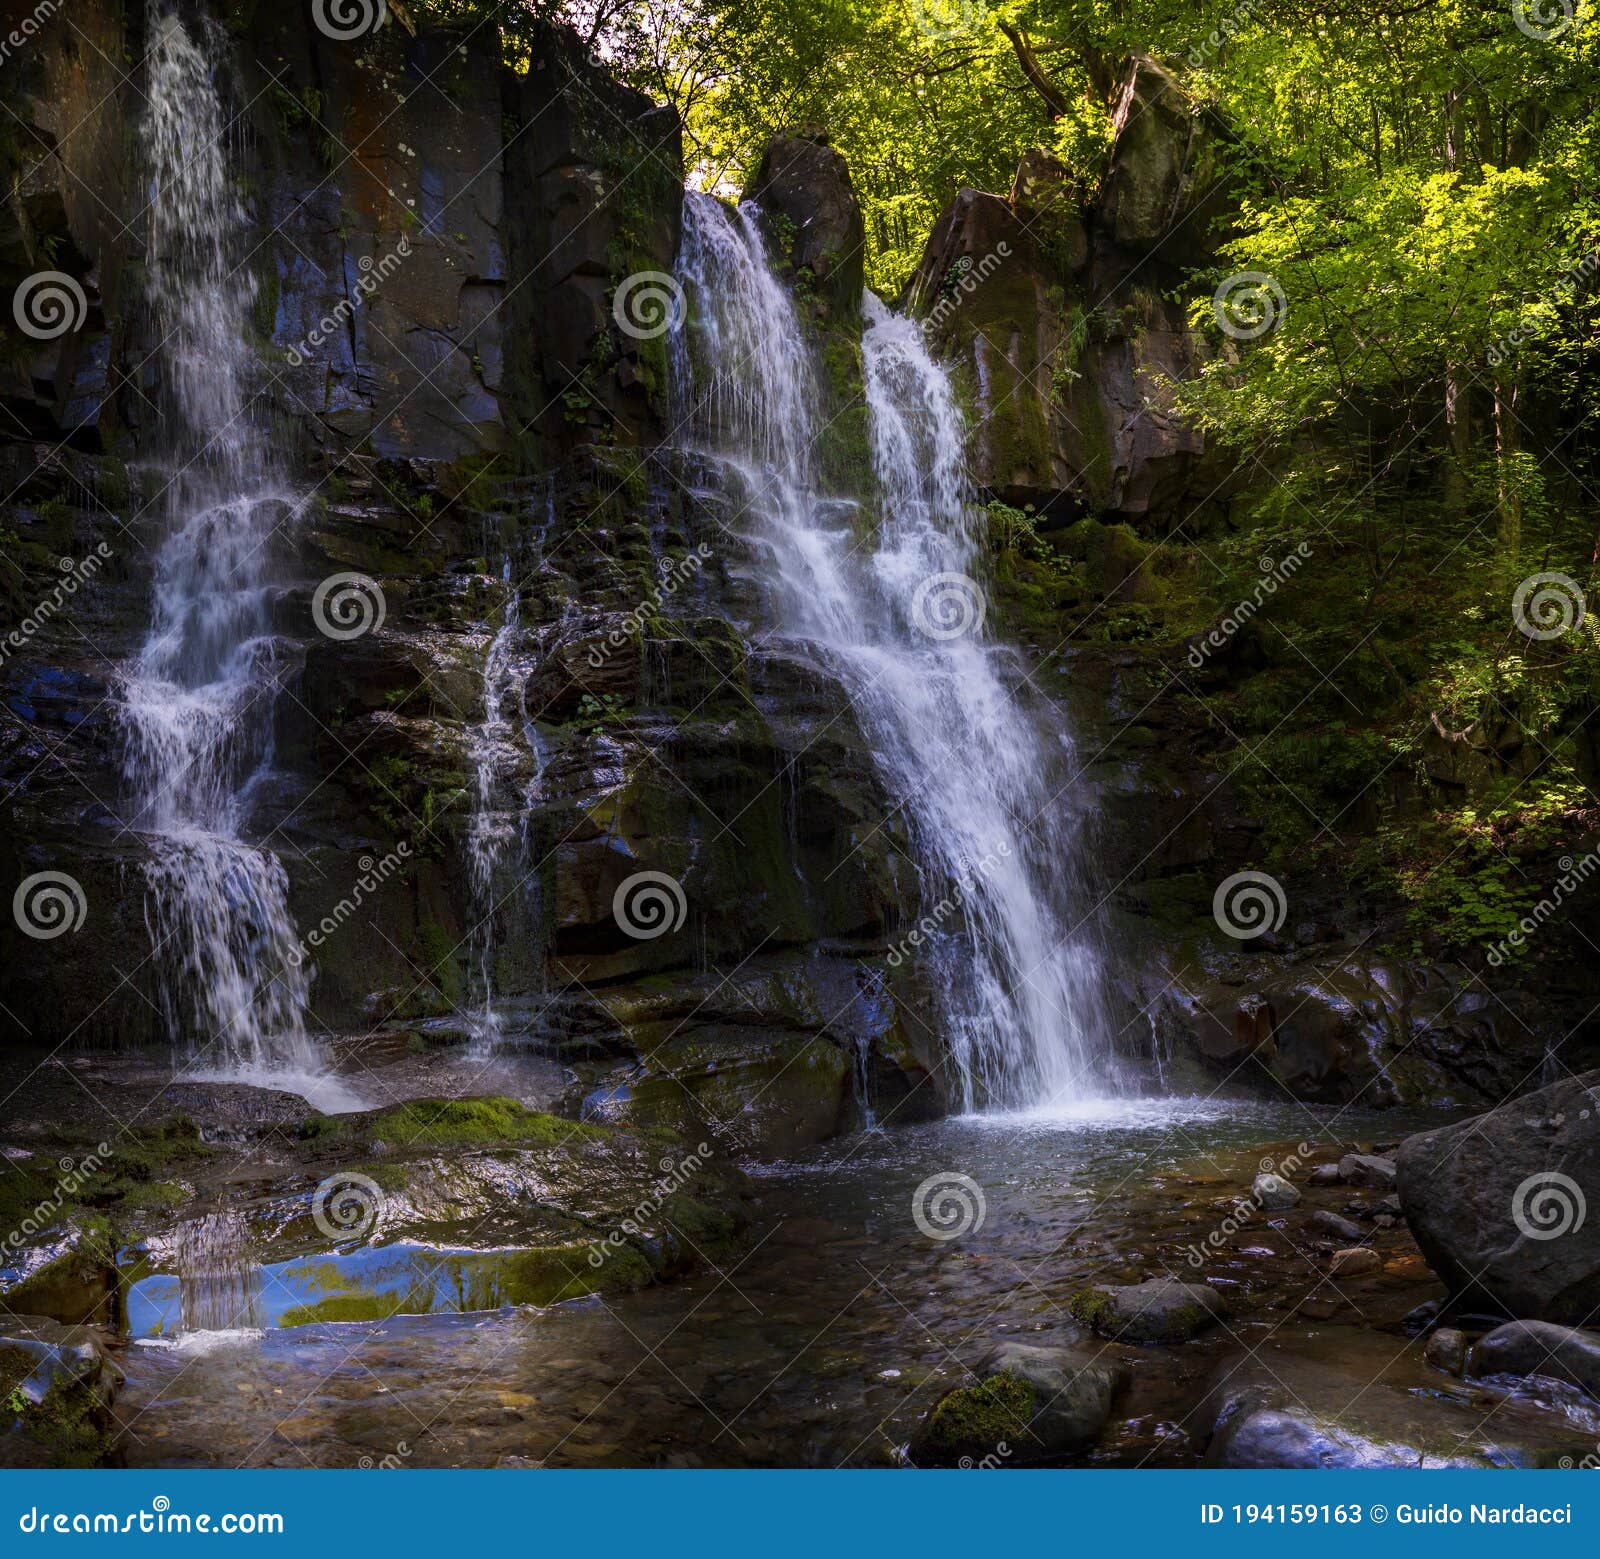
198, 699
897, 617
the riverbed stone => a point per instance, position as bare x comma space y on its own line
1273, 1193
1356, 1262
1033, 1403
1161, 1310
1567, 1353
1503, 1205
1324, 1221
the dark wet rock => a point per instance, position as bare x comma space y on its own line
1324, 1175
803, 188
1565, 1353
1366, 1169
1273, 1193
1156, 1311
1446, 1350
1340, 1397
58, 1383
1032, 1403
64, 1269
1330, 1223
1500, 1204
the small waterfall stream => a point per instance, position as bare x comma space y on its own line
198, 699
895, 611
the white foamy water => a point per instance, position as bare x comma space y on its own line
198, 699
888, 596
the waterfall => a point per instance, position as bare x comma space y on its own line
217, 1278
198, 699
891, 603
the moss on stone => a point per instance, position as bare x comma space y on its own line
1088, 1307
453, 1122
976, 1420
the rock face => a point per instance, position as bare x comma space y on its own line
59, 1384
1033, 1403
1056, 309
1273, 1193
1160, 1310
473, 401
1501, 1204
803, 188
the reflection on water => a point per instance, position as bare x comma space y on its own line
820, 1346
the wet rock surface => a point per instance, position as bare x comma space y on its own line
1498, 1203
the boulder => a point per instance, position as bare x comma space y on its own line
803, 188
1033, 1403
59, 1383
1499, 1204
1446, 1350
1565, 1353
1273, 1193
1159, 1310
